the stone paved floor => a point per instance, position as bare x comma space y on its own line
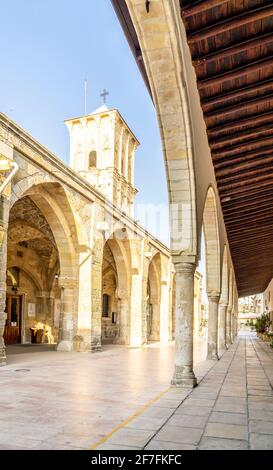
72, 400
120, 399
232, 408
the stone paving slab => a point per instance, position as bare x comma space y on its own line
232, 407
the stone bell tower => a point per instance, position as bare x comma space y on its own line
102, 150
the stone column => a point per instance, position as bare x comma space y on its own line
123, 321
232, 327
183, 362
66, 330
4, 213
228, 327
164, 313
155, 322
213, 326
222, 326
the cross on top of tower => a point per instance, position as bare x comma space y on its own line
103, 95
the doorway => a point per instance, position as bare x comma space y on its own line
13, 328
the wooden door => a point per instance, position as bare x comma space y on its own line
12, 333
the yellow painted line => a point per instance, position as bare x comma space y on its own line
128, 420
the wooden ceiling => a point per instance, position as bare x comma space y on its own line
231, 43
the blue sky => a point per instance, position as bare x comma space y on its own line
48, 48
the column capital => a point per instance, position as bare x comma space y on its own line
180, 258
213, 296
182, 267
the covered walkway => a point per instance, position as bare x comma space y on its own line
232, 408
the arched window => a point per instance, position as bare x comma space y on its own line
92, 163
105, 305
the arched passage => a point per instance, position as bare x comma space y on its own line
213, 274
109, 296
116, 275
42, 248
223, 303
153, 301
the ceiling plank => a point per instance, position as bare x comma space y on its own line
253, 121
200, 6
237, 21
245, 156
236, 73
248, 134
229, 51
247, 104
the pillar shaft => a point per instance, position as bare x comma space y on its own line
155, 323
4, 214
123, 322
228, 327
222, 326
213, 327
183, 369
66, 331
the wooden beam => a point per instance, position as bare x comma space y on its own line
238, 149
253, 121
241, 136
245, 156
199, 6
261, 40
241, 219
256, 233
250, 229
244, 183
250, 194
226, 110
227, 191
237, 21
244, 174
234, 74
248, 205
242, 167
223, 98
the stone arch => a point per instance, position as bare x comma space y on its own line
51, 200
213, 270
154, 298
223, 302
61, 221
119, 245
212, 244
164, 64
34, 183
224, 280
31, 274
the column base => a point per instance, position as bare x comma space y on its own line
65, 346
183, 379
212, 357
